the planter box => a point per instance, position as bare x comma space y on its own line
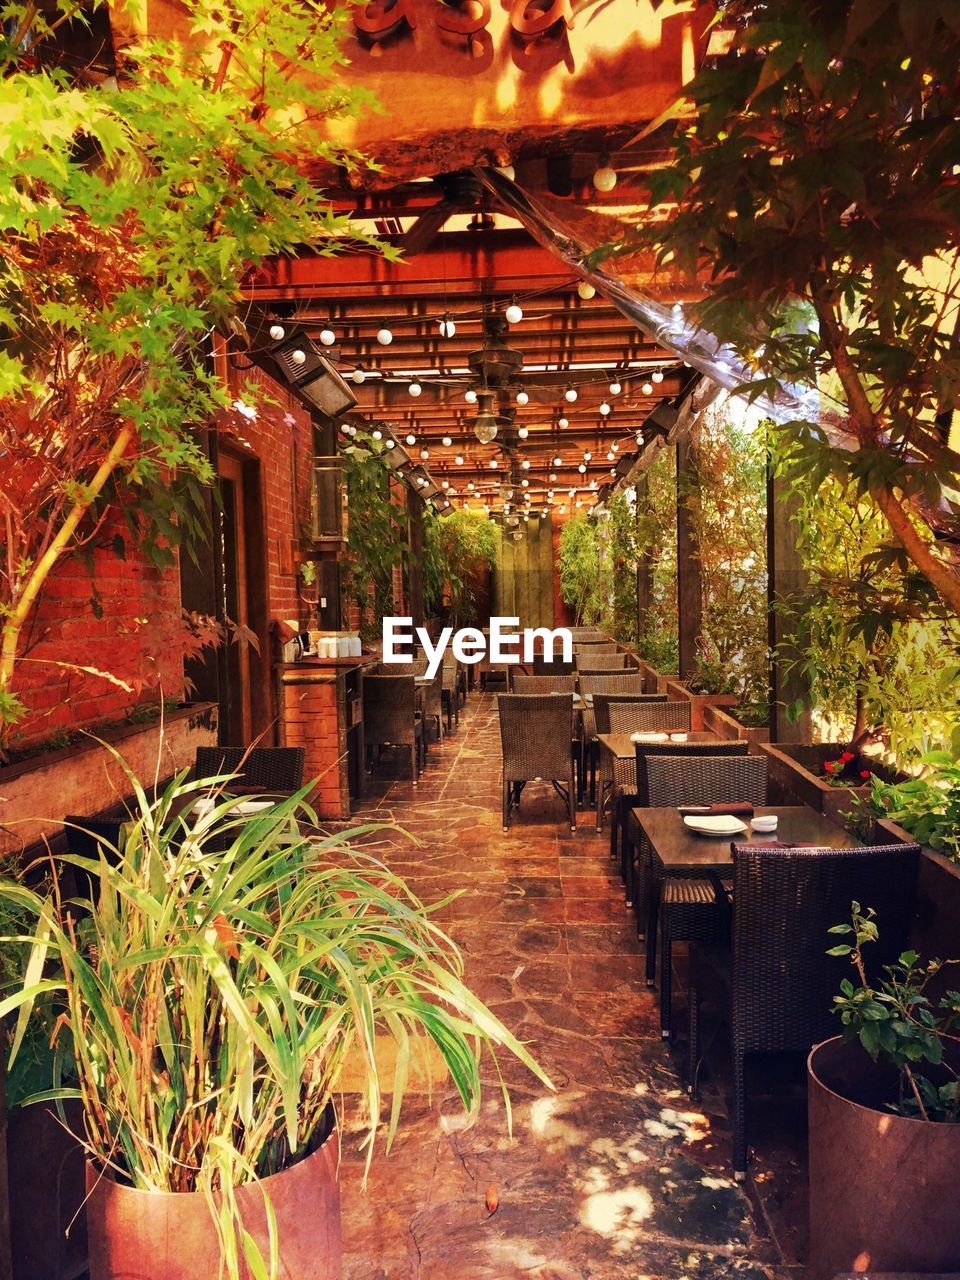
36, 794
677, 691
727, 727
796, 777
934, 932
654, 682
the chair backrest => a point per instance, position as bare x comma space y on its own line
705, 779
587, 635
545, 667
581, 648
601, 661
624, 682
650, 716
536, 730
679, 749
85, 836
785, 901
389, 708
603, 701
544, 684
263, 769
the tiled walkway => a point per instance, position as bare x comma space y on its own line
613, 1176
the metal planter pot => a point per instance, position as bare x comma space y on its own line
151, 1235
882, 1187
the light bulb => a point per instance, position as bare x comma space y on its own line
513, 313
605, 178
459, 459
470, 396
277, 332
444, 484
415, 388
570, 394
299, 357
657, 375
615, 388
485, 428
411, 438
523, 432
525, 464
447, 327
582, 468
610, 456
424, 453
384, 336
327, 337
522, 397
358, 376
377, 435
677, 311
563, 422
562, 510
446, 442
615, 448
587, 455
471, 486
524, 483
571, 493
604, 408
553, 476
388, 444
586, 290
558, 461
493, 464
647, 388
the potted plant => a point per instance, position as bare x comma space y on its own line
829, 776
224, 974
884, 1107
710, 685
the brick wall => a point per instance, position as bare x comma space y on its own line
136, 637
313, 718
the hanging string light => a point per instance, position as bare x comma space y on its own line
523, 432
358, 376
647, 389
384, 336
470, 396
657, 375
277, 332
415, 388
586, 290
563, 422
327, 337
446, 442
459, 459
411, 438
376, 434
604, 177
604, 409
615, 388
514, 313
447, 327
570, 394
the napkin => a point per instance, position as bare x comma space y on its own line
736, 809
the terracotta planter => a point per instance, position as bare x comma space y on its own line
152, 1235
796, 777
37, 794
882, 1187
728, 728
677, 691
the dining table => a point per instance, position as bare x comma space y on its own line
675, 849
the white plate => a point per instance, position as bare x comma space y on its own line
720, 824
649, 737
245, 807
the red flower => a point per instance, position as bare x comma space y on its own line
846, 757
829, 766
864, 773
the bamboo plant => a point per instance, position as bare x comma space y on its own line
223, 970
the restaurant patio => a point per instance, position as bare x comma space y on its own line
479, 594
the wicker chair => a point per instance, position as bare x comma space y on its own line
536, 730
88, 838
588, 635
594, 682
450, 690
584, 650
265, 769
544, 684
628, 717
680, 905
552, 667
778, 983
391, 718
601, 661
